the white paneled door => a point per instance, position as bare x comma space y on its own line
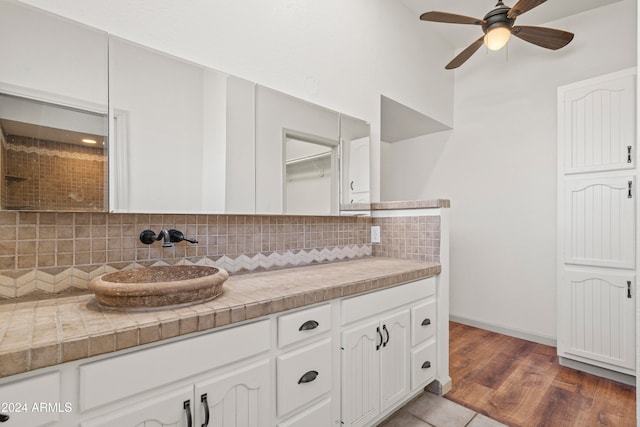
600, 222
600, 316
599, 131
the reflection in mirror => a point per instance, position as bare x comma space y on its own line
52, 157
354, 139
278, 117
164, 110
310, 181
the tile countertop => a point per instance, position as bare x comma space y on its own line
48, 332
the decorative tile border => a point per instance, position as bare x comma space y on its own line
59, 280
41, 151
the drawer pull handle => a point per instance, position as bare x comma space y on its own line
203, 399
384, 328
381, 339
4, 418
309, 325
426, 365
187, 409
308, 377
426, 322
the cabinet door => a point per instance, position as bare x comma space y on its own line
597, 317
174, 409
394, 359
359, 166
360, 373
237, 398
599, 126
600, 222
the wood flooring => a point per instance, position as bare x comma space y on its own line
521, 384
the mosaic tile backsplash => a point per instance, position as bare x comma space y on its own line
414, 238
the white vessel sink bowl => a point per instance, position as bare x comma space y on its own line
155, 287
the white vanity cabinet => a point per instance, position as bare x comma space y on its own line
378, 358
349, 361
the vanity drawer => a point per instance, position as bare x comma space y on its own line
423, 322
303, 324
21, 401
374, 303
423, 365
316, 416
303, 375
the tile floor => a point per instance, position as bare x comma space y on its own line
429, 410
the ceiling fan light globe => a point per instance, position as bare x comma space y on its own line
497, 37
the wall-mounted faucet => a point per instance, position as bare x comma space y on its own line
168, 237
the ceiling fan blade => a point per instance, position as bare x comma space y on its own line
450, 18
523, 6
465, 54
549, 38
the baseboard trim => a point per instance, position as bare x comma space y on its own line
517, 333
598, 371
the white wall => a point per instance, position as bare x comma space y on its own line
498, 167
336, 53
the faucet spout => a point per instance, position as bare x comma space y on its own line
166, 239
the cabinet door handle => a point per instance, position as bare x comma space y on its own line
384, 328
426, 322
4, 418
187, 409
351, 185
205, 404
628, 288
308, 377
629, 154
309, 325
426, 365
381, 339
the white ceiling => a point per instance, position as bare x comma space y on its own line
460, 36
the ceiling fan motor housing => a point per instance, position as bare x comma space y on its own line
498, 18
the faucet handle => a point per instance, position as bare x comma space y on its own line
148, 237
176, 236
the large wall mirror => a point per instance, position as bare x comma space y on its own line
182, 138
53, 112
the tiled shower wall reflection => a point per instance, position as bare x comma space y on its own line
48, 175
51, 252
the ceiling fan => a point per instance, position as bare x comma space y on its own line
497, 26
